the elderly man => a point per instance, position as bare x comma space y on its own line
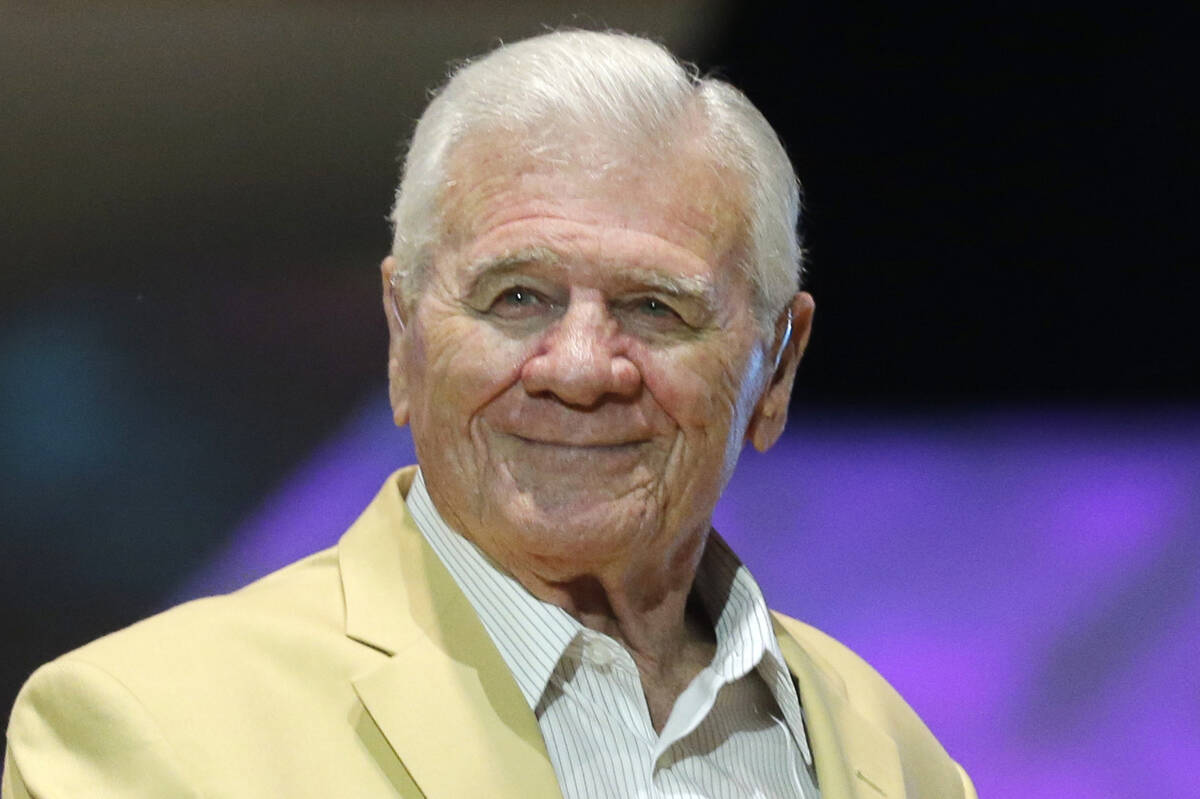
593, 301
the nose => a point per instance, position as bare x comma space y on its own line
581, 359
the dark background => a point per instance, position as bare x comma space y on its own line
999, 200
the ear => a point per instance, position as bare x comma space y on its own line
394, 310
791, 338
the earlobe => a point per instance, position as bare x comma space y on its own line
397, 393
791, 338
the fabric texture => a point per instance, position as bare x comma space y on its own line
364, 671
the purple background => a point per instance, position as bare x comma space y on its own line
1029, 581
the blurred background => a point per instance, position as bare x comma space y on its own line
991, 484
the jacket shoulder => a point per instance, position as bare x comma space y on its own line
924, 759
305, 594
212, 681
866, 688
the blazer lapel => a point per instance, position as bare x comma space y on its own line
854, 759
445, 700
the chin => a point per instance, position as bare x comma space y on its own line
577, 527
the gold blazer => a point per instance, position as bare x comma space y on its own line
363, 671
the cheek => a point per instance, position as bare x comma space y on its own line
461, 366
699, 390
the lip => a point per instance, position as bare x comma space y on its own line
618, 445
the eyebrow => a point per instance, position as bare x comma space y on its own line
684, 287
500, 265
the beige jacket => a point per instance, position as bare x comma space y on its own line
363, 671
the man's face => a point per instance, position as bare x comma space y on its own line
582, 361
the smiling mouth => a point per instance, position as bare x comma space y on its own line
585, 446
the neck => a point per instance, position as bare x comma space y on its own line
646, 608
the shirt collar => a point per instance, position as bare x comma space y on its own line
532, 636
744, 631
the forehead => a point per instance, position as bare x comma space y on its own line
675, 195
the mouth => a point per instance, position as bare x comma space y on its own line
598, 447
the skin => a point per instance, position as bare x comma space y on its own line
580, 370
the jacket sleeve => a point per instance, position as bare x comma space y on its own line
77, 731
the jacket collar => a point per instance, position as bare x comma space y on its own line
854, 758
444, 699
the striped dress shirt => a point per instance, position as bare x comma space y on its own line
736, 731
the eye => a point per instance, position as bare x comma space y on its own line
655, 307
517, 296
655, 310
518, 302
651, 316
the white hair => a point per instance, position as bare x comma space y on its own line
628, 91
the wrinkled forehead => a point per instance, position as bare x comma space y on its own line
672, 189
